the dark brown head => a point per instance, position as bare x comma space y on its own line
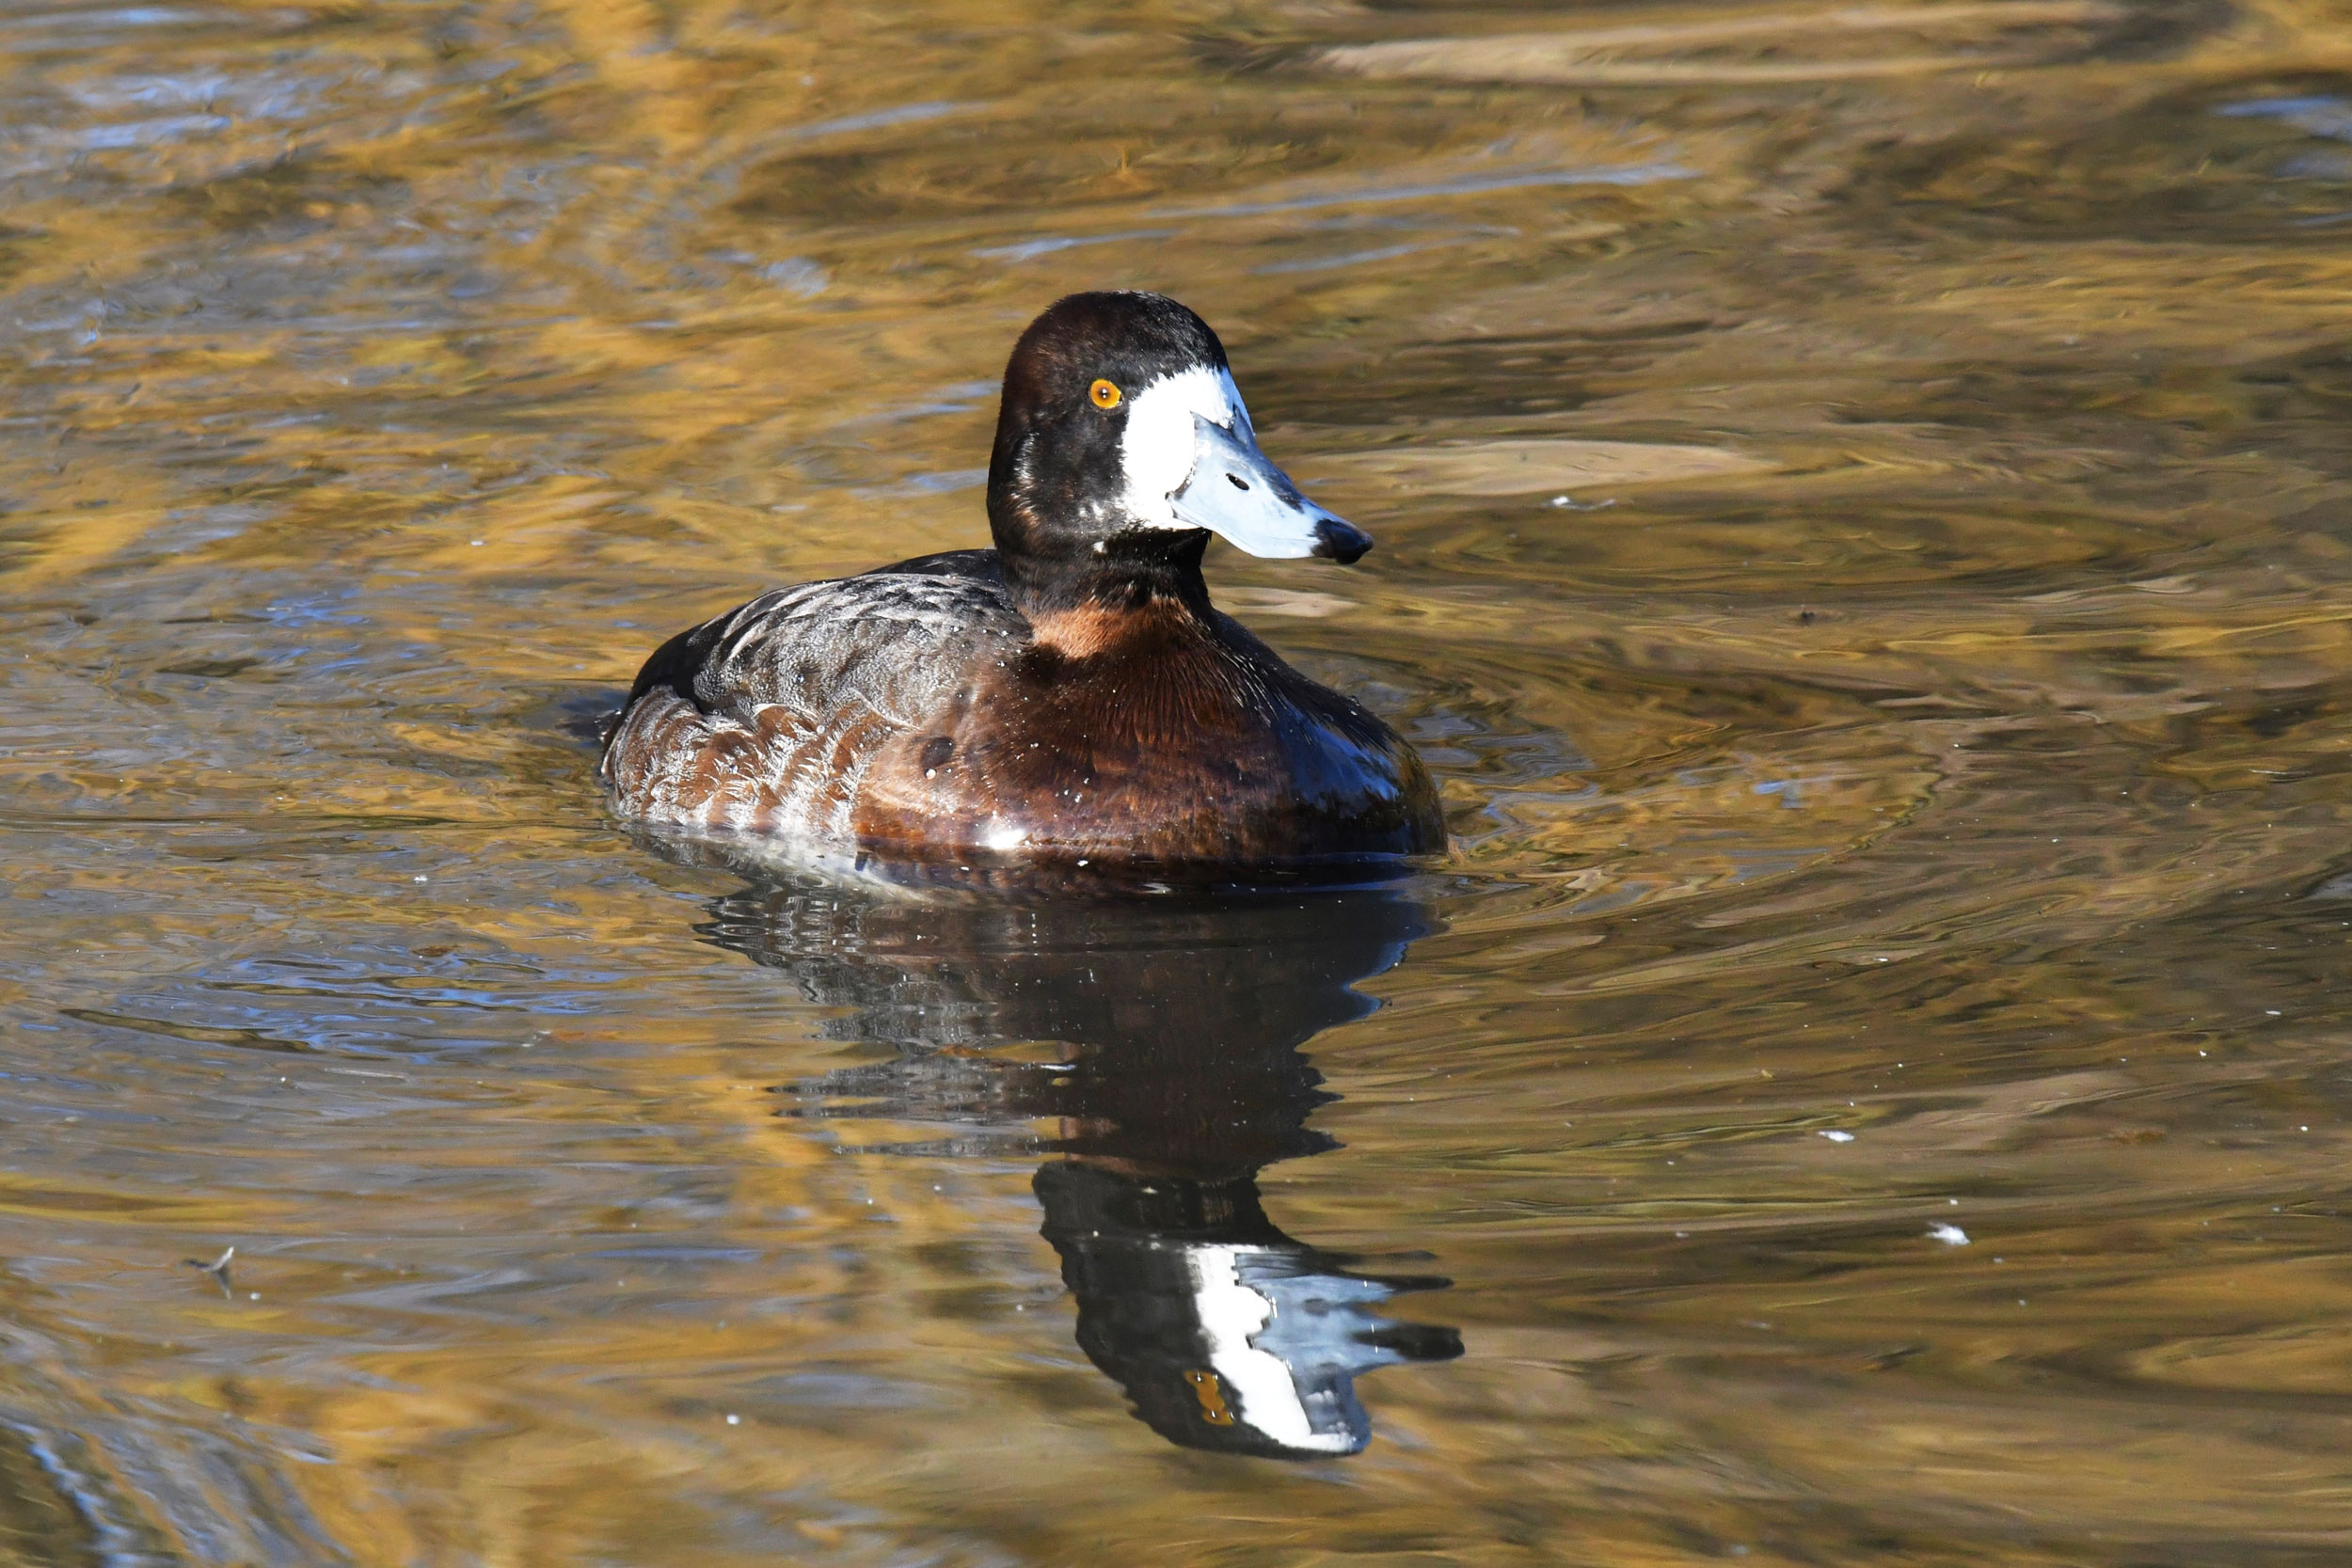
1122, 444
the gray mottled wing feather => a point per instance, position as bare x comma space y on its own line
768, 717
896, 646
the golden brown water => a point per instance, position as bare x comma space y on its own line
1866, 541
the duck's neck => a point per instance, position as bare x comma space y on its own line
1148, 579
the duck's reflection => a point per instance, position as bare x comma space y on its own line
1179, 1076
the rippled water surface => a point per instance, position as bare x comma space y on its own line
1865, 544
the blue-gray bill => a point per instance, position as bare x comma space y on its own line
1236, 492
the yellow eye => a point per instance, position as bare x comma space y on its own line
1104, 394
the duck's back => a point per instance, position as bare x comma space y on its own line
767, 719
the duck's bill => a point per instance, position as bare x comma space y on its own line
1234, 492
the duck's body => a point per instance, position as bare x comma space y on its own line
914, 710
1070, 695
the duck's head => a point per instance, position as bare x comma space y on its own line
1122, 444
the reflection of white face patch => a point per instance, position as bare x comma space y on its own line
1160, 444
1232, 1312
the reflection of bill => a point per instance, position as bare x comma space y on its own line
1225, 1333
1184, 1019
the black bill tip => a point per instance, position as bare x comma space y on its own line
1342, 542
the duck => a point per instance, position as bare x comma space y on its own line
1068, 696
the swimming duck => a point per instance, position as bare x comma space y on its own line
1070, 695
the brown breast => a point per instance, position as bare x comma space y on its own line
1148, 734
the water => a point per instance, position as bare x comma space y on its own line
1865, 543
